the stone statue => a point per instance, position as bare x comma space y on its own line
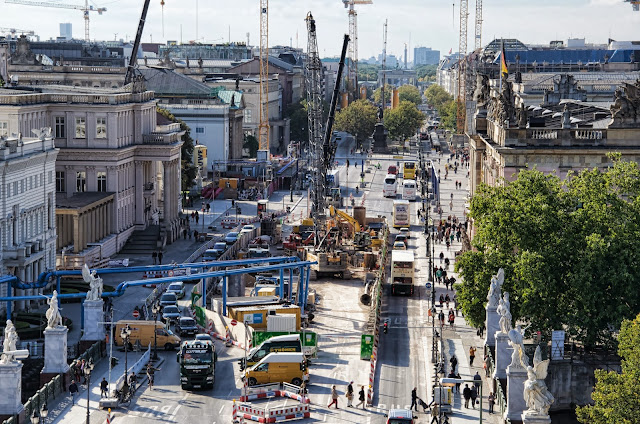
536, 394
516, 341
522, 116
505, 299
566, 117
497, 280
10, 342
23, 54
505, 316
517, 77
481, 95
626, 107
54, 319
95, 283
505, 108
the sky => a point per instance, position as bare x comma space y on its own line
429, 23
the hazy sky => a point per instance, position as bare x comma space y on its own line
430, 23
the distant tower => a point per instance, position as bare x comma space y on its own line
405, 56
65, 31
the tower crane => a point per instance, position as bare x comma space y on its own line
133, 60
14, 31
263, 128
478, 39
353, 45
635, 4
384, 65
85, 10
462, 56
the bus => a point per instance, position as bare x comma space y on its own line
401, 214
402, 269
409, 171
409, 190
390, 186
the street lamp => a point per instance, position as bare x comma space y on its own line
88, 367
124, 334
156, 310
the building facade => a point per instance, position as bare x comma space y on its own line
27, 202
425, 56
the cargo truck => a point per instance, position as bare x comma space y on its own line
197, 359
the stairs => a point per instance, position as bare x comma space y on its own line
142, 242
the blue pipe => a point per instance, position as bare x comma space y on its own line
224, 295
290, 283
306, 291
282, 284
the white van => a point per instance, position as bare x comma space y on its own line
409, 190
390, 186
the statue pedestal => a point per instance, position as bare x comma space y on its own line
516, 376
55, 351
532, 418
493, 325
93, 316
11, 388
503, 355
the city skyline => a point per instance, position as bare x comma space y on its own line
538, 24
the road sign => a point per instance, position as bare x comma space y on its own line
136, 314
428, 285
234, 322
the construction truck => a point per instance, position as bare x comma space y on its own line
334, 197
330, 264
197, 359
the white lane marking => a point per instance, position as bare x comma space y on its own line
175, 411
150, 413
165, 409
220, 411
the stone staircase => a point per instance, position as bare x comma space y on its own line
142, 242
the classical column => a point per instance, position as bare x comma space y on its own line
76, 233
139, 184
167, 189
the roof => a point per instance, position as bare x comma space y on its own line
566, 56
168, 82
285, 338
80, 200
193, 63
296, 357
400, 413
402, 256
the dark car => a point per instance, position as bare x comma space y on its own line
186, 325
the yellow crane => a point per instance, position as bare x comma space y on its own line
85, 10
353, 45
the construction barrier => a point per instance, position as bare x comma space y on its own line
267, 391
271, 414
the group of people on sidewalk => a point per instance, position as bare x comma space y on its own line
349, 394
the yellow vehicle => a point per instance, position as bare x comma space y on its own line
409, 171
142, 333
279, 367
343, 215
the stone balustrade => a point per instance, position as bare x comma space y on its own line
545, 136
29, 98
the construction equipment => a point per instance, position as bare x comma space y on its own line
384, 65
462, 57
635, 4
478, 38
14, 31
346, 217
263, 128
133, 60
353, 45
85, 10
329, 265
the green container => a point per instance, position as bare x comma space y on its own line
366, 346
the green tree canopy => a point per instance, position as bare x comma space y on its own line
299, 125
448, 114
251, 143
403, 121
189, 170
437, 96
368, 72
358, 119
410, 93
377, 94
617, 396
426, 72
569, 249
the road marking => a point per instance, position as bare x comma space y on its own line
220, 411
175, 411
150, 413
165, 409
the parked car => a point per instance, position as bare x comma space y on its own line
405, 231
177, 288
168, 299
210, 255
231, 238
170, 313
186, 325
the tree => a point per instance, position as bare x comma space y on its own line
251, 143
358, 119
403, 121
388, 89
436, 96
189, 170
299, 125
410, 93
448, 114
617, 396
426, 72
368, 72
568, 248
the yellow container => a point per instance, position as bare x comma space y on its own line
267, 292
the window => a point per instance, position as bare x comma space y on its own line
101, 128
81, 181
81, 130
102, 181
199, 130
60, 127
60, 183
4, 128
50, 173
247, 115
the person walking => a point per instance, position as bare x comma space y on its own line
414, 398
151, 371
334, 397
452, 318
492, 401
485, 365
133, 381
474, 396
458, 384
104, 388
477, 381
73, 389
159, 257
349, 395
154, 256
361, 398
466, 393
441, 317
454, 363
472, 355
435, 412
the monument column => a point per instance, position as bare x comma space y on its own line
55, 343
11, 374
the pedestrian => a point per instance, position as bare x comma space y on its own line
458, 384
159, 257
435, 412
151, 371
441, 256
447, 299
477, 381
451, 205
104, 388
472, 355
195, 235
73, 389
154, 256
441, 317
414, 398
197, 217
441, 299
184, 233
466, 393
492, 401
84, 377
361, 398
452, 374
452, 318
485, 365
482, 330
474, 396
454, 363
334, 397
193, 216
208, 207
349, 395
133, 381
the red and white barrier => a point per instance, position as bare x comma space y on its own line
268, 415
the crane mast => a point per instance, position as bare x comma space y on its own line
263, 128
384, 65
353, 45
136, 44
462, 54
478, 39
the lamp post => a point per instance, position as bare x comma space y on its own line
87, 373
124, 334
156, 310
